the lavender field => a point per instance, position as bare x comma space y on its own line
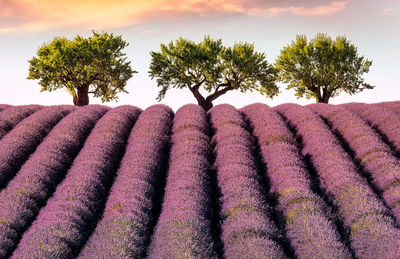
291, 181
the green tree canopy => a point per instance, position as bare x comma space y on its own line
216, 68
83, 65
321, 68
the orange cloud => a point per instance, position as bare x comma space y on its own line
387, 11
321, 10
37, 15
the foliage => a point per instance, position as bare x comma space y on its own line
216, 68
83, 65
322, 68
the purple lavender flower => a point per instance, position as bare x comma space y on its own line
360, 210
385, 121
125, 227
4, 106
23, 197
247, 228
391, 106
308, 227
16, 146
184, 227
64, 224
374, 155
11, 116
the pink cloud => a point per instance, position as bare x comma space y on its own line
321, 10
31, 15
387, 11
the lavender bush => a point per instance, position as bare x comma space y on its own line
392, 106
10, 117
21, 200
16, 146
374, 155
373, 234
64, 224
308, 227
125, 227
247, 228
383, 120
4, 106
96, 182
184, 226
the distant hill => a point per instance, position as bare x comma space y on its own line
291, 181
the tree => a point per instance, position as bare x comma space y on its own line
210, 65
93, 65
321, 68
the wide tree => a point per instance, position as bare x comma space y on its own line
321, 68
83, 66
213, 67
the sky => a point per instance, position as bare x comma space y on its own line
371, 25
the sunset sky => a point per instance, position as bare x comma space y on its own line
373, 26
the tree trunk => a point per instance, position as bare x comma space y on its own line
82, 98
75, 100
325, 96
205, 105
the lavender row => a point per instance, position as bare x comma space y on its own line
374, 155
23, 197
381, 119
4, 106
125, 226
11, 116
16, 146
64, 224
392, 106
372, 232
308, 226
247, 228
184, 227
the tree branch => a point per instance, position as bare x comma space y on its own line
195, 90
197, 86
217, 93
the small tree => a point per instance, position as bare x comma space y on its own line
82, 66
210, 65
322, 67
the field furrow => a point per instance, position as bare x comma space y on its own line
4, 106
363, 214
126, 225
29, 133
35, 182
63, 225
11, 116
374, 156
392, 106
315, 181
308, 225
184, 227
386, 122
248, 230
